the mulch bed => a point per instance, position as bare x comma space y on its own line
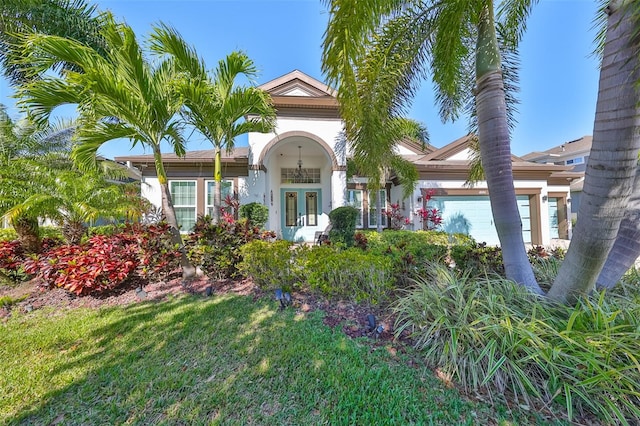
352, 317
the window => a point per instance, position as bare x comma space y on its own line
227, 189
373, 214
183, 194
354, 199
295, 175
577, 160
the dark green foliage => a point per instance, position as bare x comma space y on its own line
478, 258
410, 252
348, 274
270, 265
216, 247
256, 213
343, 225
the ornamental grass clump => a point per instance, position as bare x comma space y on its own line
490, 334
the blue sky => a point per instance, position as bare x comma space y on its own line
559, 76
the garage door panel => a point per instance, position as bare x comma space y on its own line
472, 215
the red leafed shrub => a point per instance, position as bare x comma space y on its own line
104, 262
158, 255
11, 259
101, 264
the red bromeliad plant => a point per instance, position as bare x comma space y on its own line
429, 217
395, 216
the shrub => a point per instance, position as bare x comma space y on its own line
8, 234
409, 251
12, 257
110, 229
478, 258
271, 265
216, 247
493, 334
350, 273
101, 264
256, 213
343, 225
106, 262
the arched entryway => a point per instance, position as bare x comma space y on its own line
299, 168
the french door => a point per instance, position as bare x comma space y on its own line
301, 210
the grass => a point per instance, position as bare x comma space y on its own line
221, 360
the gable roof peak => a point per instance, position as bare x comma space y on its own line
297, 83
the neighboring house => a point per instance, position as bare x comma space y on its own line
300, 173
574, 153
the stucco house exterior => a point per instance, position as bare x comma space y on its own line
300, 173
574, 154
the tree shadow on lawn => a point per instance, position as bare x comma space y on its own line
233, 360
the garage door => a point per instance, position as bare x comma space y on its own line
471, 215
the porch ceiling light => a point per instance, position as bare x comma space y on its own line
300, 174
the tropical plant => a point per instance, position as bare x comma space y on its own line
493, 335
343, 225
118, 96
257, 214
613, 161
73, 200
74, 19
215, 104
29, 158
384, 49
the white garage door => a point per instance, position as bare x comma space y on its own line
471, 214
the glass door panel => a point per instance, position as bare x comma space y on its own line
291, 208
311, 204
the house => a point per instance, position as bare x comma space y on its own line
300, 173
574, 153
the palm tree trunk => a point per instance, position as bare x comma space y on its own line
188, 270
217, 177
73, 231
612, 163
28, 232
626, 249
495, 152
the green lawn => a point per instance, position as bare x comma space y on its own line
221, 360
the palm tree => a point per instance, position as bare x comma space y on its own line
612, 165
28, 155
626, 248
215, 105
120, 96
448, 38
74, 19
39, 181
73, 200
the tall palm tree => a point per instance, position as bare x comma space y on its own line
612, 165
215, 104
458, 42
118, 96
76, 19
626, 248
